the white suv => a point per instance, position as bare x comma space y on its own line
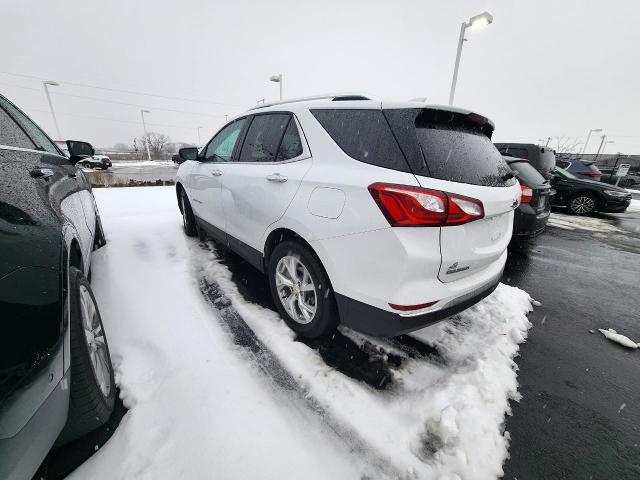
384, 217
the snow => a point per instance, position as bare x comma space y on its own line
573, 222
144, 163
200, 406
635, 206
616, 337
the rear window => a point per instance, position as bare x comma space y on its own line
527, 174
363, 135
460, 153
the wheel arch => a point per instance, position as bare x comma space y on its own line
179, 190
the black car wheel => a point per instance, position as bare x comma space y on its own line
188, 218
582, 204
301, 290
93, 387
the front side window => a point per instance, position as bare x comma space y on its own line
220, 148
263, 137
39, 137
11, 134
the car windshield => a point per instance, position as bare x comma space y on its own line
565, 173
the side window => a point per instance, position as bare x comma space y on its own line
11, 134
38, 136
363, 135
263, 137
291, 146
220, 149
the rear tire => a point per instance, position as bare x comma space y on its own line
188, 218
582, 204
93, 387
304, 297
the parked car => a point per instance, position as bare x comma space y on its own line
56, 377
100, 162
581, 168
531, 216
383, 217
584, 197
543, 159
631, 180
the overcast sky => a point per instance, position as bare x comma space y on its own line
543, 68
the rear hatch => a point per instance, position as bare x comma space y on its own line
452, 152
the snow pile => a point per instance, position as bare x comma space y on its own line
199, 407
616, 337
635, 206
444, 419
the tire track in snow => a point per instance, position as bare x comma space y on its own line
266, 361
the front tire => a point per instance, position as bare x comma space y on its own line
188, 218
301, 290
93, 387
582, 204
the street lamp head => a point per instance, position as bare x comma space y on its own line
51, 82
596, 130
145, 111
276, 78
479, 21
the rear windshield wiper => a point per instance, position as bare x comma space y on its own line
507, 176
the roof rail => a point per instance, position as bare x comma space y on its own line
332, 96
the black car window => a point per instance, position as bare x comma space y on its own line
526, 174
263, 137
220, 148
37, 135
363, 135
291, 146
11, 134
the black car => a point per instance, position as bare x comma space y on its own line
543, 159
583, 197
531, 216
56, 377
99, 162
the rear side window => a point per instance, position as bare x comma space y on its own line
291, 146
11, 134
263, 138
363, 135
527, 174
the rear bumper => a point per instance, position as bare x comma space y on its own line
527, 223
382, 323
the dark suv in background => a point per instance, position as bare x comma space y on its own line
542, 159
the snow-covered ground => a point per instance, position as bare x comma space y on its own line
202, 406
592, 224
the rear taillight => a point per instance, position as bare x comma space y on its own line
592, 174
408, 206
527, 194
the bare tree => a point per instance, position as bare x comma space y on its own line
155, 141
570, 145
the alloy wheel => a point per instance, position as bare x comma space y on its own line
582, 204
296, 289
95, 339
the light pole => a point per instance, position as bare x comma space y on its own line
146, 135
53, 114
605, 145
584, 150
602, 139
199, 141
475, 22
277, 79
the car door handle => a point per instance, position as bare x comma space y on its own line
41, 173
216, 173
276, 177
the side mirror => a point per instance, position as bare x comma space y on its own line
188, 153
79, 150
